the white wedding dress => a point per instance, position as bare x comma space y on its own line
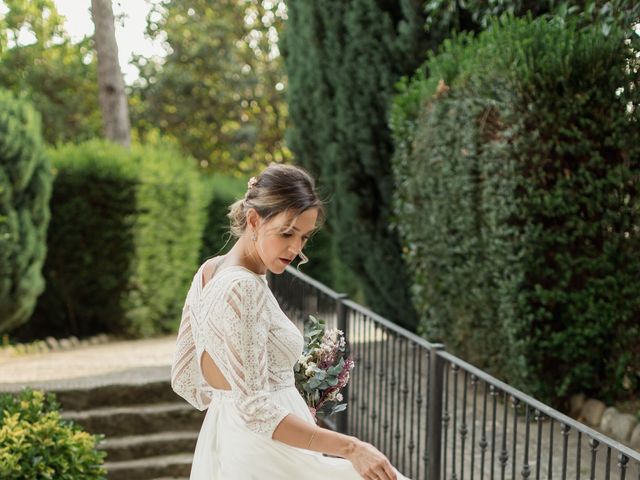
236, 319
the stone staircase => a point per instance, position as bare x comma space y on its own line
150, 431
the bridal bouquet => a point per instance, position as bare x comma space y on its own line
323, 369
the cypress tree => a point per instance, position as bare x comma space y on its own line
343, 58
25, 190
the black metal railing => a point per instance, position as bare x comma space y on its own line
438, 417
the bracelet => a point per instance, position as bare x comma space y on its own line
313, 435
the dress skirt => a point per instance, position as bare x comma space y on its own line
227, 450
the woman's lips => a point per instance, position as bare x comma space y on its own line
285, 261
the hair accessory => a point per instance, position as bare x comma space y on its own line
252, 182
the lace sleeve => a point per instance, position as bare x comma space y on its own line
246, 335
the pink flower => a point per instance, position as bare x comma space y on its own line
343, 377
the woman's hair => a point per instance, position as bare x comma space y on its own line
279, 188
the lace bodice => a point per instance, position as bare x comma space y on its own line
238, 321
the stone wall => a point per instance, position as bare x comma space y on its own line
623, 427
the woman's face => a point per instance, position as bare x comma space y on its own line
283, 237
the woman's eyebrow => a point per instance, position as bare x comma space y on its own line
297, 230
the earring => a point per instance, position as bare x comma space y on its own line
254, 237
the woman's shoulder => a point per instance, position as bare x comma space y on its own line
208, 269
232, 275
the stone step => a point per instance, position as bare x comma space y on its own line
133, 447
178, 465
138, 419
115, 395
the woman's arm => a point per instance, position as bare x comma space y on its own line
294, 431
367, 460
246, 337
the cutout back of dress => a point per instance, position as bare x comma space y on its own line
210, 371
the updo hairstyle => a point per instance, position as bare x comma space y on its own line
277, 189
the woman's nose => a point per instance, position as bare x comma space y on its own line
296, 247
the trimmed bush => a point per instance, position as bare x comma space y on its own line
168, 232
25, 189
518, 204
36, 443
123, 243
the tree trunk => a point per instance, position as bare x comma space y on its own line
113, 100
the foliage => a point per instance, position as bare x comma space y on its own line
444, 16
124, 240
518, 202
57, 75
36, 443
25, 189
166, 245
220, 89
343, 58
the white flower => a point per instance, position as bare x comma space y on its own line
331, 335
309, 372
303, 359
334, 335
335, 396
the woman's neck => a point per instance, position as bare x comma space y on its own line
243, 253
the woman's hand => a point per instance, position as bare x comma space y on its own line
370, 462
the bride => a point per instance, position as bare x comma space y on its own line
236, 350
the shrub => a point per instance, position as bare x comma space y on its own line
25, 189
36, 443
517, 198
123, 244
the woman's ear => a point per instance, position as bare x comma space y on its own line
253, 219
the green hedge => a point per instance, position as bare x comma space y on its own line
517, 201
36, 443
25, 189
123, 243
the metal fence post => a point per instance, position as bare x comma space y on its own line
434, 426
342, 423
